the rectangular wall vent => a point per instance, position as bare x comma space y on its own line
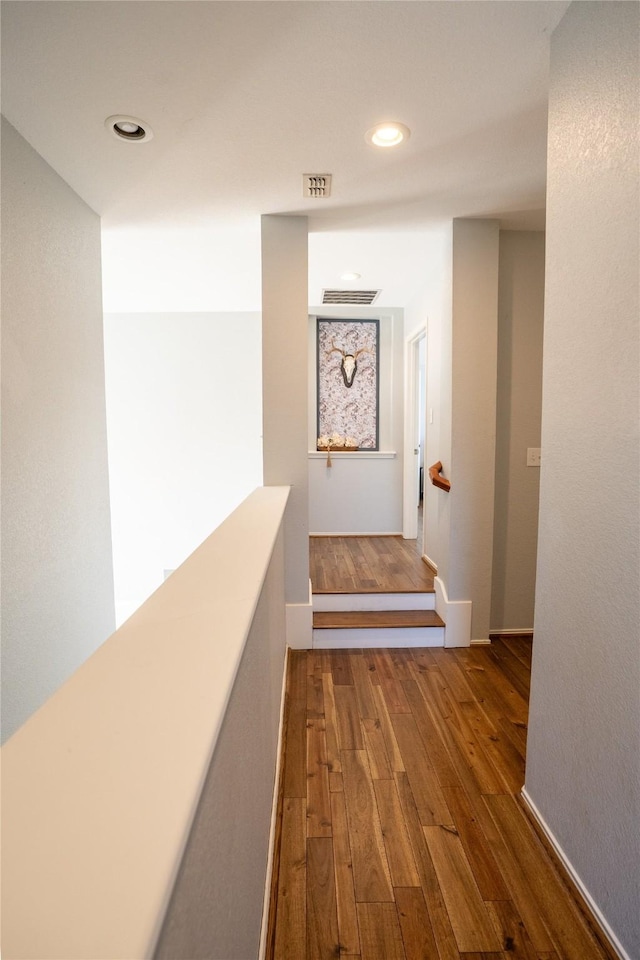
358, 297
316, 184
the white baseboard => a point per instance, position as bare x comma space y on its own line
481, 643
262, 952
299, 624
614, 943
456, 615
430, 562
361, 533
516, 632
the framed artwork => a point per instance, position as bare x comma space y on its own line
348, 381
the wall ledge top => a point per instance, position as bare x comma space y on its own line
353, 454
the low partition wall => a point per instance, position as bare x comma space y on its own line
360, 493
137, 802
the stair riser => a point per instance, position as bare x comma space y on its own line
332, 639
327, 602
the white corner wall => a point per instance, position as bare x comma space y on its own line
473, 419
284, 374
518, 416
184, 411
583, 764
57, 585
432, 309
460, 307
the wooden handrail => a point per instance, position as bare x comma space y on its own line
436, 479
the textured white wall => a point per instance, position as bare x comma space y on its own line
518, 414
184, 414
285, 388
583, 768
473, 425
57, 586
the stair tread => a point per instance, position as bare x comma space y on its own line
354, 619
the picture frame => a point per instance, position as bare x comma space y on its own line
348, 382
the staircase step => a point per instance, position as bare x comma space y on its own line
423, 600
374, 619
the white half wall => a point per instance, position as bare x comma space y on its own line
137, 803
57, 584
184, 411
357, 494
583, 750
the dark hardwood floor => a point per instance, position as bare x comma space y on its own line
402, 835
367, 565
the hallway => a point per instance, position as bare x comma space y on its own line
402, 833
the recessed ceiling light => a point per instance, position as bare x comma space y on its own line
350, 276
128, 128
388, 134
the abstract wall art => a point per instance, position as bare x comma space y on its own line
348, 380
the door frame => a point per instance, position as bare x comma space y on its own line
410, 479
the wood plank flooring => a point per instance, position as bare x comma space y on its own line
367, 565
402, 835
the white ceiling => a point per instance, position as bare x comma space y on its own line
244, 97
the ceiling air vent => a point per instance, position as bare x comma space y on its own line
357, 297
316, 184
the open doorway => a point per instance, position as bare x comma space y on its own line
414, 436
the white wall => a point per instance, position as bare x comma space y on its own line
184, 421
583, 767
473, 425
57, 586
518, 415
173, 269
361, 492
